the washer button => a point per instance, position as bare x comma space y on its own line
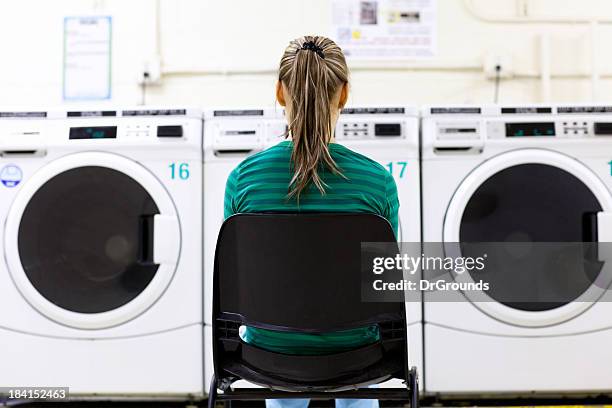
169, 131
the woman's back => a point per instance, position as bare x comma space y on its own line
260, 184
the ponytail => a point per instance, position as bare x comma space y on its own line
312, 69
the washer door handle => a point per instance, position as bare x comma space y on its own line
604, 236
166, 239
604, 227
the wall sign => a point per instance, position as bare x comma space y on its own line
87, 58
385, 29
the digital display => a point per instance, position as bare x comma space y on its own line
530, 129
387, 129
603, 128
99, 132
170, 131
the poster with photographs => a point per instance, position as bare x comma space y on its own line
385, 29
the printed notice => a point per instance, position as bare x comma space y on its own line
385, 29
87, 58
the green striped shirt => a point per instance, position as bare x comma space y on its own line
261, 184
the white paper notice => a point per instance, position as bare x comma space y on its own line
385, 29
87, 58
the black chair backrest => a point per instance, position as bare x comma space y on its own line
296, 272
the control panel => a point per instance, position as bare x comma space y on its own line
465, 124
127, 125
36, 132
471, 130
139, 131
556, 127
568, 121
239, 131
243, 131
370, 123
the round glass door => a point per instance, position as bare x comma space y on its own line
530, 203
524, 197
85, 240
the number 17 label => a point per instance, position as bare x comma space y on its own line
397, 168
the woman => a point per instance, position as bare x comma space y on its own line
311, 173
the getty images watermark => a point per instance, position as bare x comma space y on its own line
412, 265
521, 274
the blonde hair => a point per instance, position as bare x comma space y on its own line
313, 69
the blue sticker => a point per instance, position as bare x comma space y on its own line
11, 175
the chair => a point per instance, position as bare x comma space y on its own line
301, 273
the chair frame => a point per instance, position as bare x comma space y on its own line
409, 394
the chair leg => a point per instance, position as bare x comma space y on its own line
414, 388
212, 392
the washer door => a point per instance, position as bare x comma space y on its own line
92, 240
530, 196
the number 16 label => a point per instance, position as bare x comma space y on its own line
179, 171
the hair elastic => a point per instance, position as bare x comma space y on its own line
311, 46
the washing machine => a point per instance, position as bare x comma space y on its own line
230, 135
526, 174
389, 135
101, 263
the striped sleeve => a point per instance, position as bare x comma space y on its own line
392, 204
229, 207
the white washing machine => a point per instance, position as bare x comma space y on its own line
101, 261
518, 173
230, 135
390, 135
386, 134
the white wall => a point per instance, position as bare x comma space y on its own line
31, 47
224, 52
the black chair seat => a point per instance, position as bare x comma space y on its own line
363, 365
375, 374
